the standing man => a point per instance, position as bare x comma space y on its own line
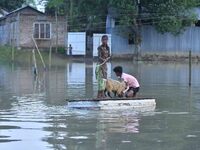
132, 83
70, 49
101, 69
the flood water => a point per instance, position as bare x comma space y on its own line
34, 114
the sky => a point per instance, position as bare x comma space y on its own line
40, 7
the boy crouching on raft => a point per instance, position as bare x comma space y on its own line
132, 83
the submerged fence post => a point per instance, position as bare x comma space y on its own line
13, 53
190, 67
50, 55
34, 63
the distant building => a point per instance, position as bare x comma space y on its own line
154, 42
19, 26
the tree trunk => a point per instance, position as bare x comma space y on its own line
56, 16
138, 37
71, 10
66, 38
137, 41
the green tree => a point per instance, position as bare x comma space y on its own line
82, 14
165, 15
172, 15
127, 13
11, 5
31, 3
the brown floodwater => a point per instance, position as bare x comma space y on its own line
34, 113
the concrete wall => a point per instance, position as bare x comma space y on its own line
26, 33
27, 20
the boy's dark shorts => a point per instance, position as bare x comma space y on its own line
135, 90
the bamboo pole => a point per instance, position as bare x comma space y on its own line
39, 52
13, 53
190, 67
50, 55
34, 62
13, 38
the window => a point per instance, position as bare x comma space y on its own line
197, 23
117, 22
42, 30
131, 39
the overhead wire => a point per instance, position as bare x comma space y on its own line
155, 20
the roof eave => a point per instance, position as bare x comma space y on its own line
28, 6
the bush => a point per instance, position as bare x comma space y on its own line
61, 50
5, 53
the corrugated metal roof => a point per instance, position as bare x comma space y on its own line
3, 13
6, 14
23, 7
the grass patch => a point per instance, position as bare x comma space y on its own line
19, 55
61, 50
5, 53
25, 57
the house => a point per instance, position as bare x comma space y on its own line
154, 42
19, 26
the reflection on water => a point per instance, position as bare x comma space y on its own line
33, 112
125, 123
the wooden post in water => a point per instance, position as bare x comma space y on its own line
66, 31
34, 63
190, 67
13, 53
56, 16
13, 38
39, 53
50, 55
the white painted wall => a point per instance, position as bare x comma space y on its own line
97, 42
78, 42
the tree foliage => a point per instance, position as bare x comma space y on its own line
11, 5
172, 15
166, 15
82, 14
